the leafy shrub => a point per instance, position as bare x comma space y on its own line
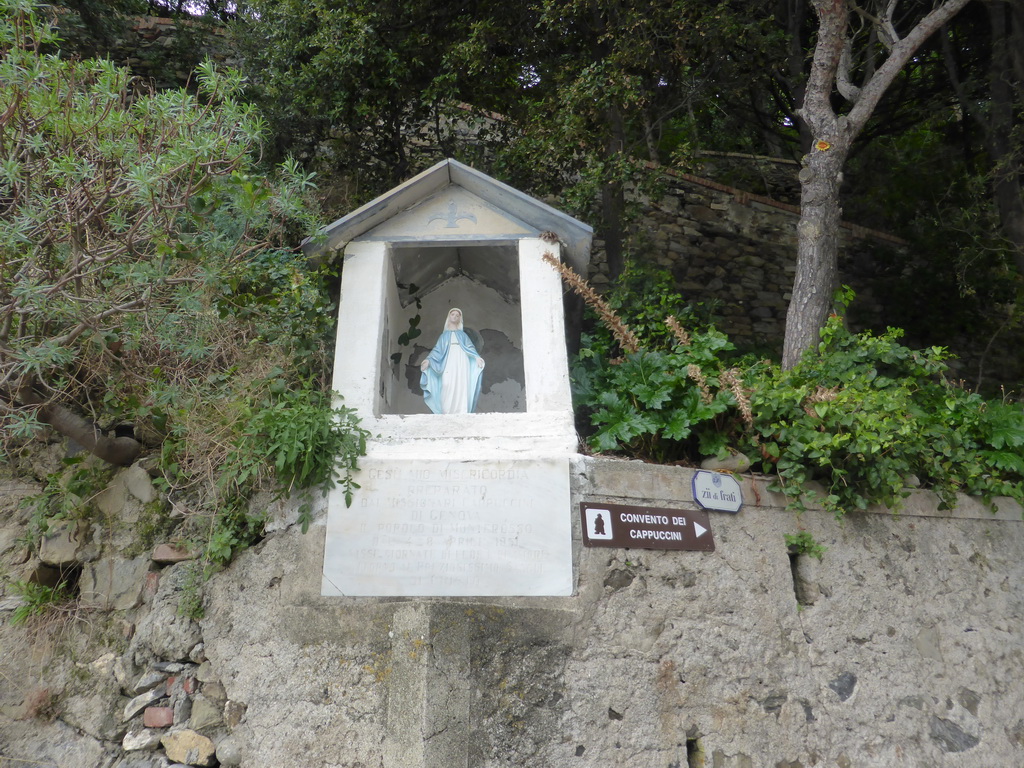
163, 290
861, 414
643, 296
303, 439
652, 403
306, 442
648, 386
266, 435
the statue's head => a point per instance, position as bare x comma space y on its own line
454, 320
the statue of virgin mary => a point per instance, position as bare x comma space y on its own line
453, 371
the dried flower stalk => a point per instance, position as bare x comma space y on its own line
823, 394
627, 340
820, 395
731, 379
694, 372
677, 330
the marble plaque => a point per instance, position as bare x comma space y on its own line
452, 528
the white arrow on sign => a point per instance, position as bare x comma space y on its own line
699, 530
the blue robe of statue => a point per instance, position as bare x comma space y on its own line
470, 373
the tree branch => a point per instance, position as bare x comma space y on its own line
120, 451
847, 89
816, 111
872, 91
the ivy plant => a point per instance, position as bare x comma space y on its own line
804, 543
862, 415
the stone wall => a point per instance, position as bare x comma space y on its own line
158, 50
906, 648
736, 251
161, 50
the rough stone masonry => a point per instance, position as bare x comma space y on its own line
903, 647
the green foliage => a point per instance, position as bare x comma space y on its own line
147, 276
864, 413
960, 264
306, 441
286, 304
953, 176
643, 296
298, 439
608, 78
233, 529
592, 92
665, 399
348, 83
124, 214
605, 84
38, 599
804, 543
66, 495
268, 435
861, 415
648, 405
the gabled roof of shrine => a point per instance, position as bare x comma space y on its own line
454, 204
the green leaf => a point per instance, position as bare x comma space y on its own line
1005, 460
1007, 435
678, 427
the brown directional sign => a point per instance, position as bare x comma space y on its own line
622, 525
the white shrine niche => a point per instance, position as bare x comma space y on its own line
483, 281
469, 504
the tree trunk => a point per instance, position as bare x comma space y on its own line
1010, 201
120, 451
817, 232
817, 251
613, 199
1006, 38
821, 214
612, 207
